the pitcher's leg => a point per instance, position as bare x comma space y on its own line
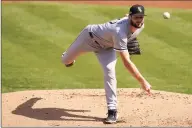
107, 59
74, 50
78, 47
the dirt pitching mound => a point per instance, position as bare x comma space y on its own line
85, 107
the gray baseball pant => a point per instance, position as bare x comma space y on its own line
106, 57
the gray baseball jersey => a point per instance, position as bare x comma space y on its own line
114, 34
103, 39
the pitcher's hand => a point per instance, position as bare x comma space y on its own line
146, 86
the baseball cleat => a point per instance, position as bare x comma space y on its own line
68, 65
112, 117
71, 64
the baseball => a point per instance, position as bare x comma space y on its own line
166, 15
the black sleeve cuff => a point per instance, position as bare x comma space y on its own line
116, 49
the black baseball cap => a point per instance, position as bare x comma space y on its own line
137, 9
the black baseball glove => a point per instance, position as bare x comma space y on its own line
133, 47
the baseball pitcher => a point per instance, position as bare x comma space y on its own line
106, 40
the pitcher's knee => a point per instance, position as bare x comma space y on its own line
110, 75
64, 58
67, 60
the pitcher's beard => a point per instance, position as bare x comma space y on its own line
135, 25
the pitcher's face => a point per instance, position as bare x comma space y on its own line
137, 20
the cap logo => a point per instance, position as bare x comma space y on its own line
139, 8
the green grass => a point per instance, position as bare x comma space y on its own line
34, 35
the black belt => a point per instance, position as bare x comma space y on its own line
91, 35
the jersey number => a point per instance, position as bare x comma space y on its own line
114, 21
